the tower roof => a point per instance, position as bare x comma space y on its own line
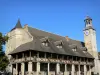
88, 23
88, 18
18, 24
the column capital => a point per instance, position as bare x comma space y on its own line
38, 62
22, 63
58, 63
29, 62
48, 62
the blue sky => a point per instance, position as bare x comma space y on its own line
63, 17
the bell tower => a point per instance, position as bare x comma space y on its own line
90, 37
90, 41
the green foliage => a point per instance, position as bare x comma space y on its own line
99, 53
3, 59
3, 62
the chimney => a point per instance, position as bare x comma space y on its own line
67, 38
26, 26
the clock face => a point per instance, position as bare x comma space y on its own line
86, 32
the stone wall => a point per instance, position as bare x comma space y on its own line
16, 38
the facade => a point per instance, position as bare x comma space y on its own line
36, 52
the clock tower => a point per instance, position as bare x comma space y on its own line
90, 42
90, 37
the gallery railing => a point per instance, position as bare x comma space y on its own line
35, 59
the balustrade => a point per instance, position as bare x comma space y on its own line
49, 60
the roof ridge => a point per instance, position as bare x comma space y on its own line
77, 40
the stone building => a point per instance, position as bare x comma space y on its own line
36, 52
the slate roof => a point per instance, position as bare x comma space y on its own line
18, 25
36, 44
88, 18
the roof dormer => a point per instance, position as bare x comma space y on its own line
45, 41
73, 47
84, 49
59, 44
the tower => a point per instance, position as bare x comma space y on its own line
17, 36
90, 41
90, 37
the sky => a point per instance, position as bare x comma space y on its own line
62, 17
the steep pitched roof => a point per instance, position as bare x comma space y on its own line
18, 25
37, 45
88, 18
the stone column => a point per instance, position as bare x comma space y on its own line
16, 69
12, 69
65, 67
29, 67
65, 73
57, 68
73, 69
85, 70
79, 69
22, 68
38, 68
89, 69
48, 68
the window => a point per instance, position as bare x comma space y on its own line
74, 49
84, 51
45, 43
89, 22
59, 46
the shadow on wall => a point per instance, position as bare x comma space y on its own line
94, 74
5, 73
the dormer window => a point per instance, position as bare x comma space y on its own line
84, 49
59, 44
45, 43
74, 49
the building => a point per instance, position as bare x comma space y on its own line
36, 52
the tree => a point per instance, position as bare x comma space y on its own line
99, 53
3, 58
